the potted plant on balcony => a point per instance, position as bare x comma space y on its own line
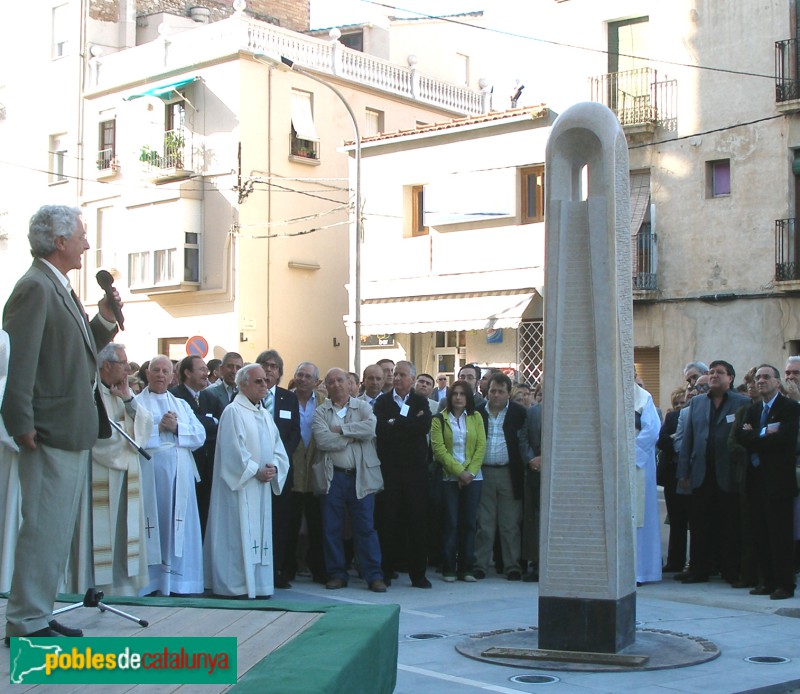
173, 150
150, 156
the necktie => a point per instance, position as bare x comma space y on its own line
269, 402
197, 399
764, 414
81, 312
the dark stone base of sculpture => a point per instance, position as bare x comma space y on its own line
581, 624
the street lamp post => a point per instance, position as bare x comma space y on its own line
359, 227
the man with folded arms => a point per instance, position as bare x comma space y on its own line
769, 433
344, 433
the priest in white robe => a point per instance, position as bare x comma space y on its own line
648, 529
174, 518
250, 465
118, 518
10, 499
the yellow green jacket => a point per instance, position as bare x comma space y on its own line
442, 444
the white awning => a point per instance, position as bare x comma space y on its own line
443, 313
640, 199
302, 116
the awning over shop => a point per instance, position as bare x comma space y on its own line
163, 90
443, 313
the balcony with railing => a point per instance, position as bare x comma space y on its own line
645, 262
107, 163
787, 76
171, 162
206, 43
787, 255
642, 99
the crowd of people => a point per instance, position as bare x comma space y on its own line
727, 462
192, 478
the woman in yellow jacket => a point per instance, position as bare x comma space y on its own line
458, 439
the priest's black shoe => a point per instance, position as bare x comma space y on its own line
421, 583
47, 632
64, 630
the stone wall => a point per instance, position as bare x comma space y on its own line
104, 10
290, 14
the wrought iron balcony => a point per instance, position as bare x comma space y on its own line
639, 98
787, 71
645, 260
787, 251
174, 160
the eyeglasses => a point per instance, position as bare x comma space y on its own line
792, 372
444, 379
271, 365
260, 381
702, 388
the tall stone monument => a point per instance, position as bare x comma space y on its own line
587, 589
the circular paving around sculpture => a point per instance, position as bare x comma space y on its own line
653, 649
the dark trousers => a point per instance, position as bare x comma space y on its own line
342, 495
404, 509
714, 522
460, 526
308, 505
281, 513
771, 528
678, 513
205, 468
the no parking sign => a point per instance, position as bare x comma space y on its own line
197, 345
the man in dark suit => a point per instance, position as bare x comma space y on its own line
193, 377
403, 422
530, 448
769, 433
285, 410
500, 507
705, 472
51, 409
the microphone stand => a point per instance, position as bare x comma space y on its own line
133, 443
93, 597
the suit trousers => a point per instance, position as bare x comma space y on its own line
51, 481
714, 523
498, 510
771, 530
281, 515
308, 504
403, 514
531, 512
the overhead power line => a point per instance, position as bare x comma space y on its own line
562, 44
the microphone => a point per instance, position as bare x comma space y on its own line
106, 282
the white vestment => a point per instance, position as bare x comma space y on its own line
174, 520
238, 543
10, 499
118, 516
648, 530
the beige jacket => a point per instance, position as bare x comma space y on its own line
354, 447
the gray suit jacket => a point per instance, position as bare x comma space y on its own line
219, 393
692, 456
53, 363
